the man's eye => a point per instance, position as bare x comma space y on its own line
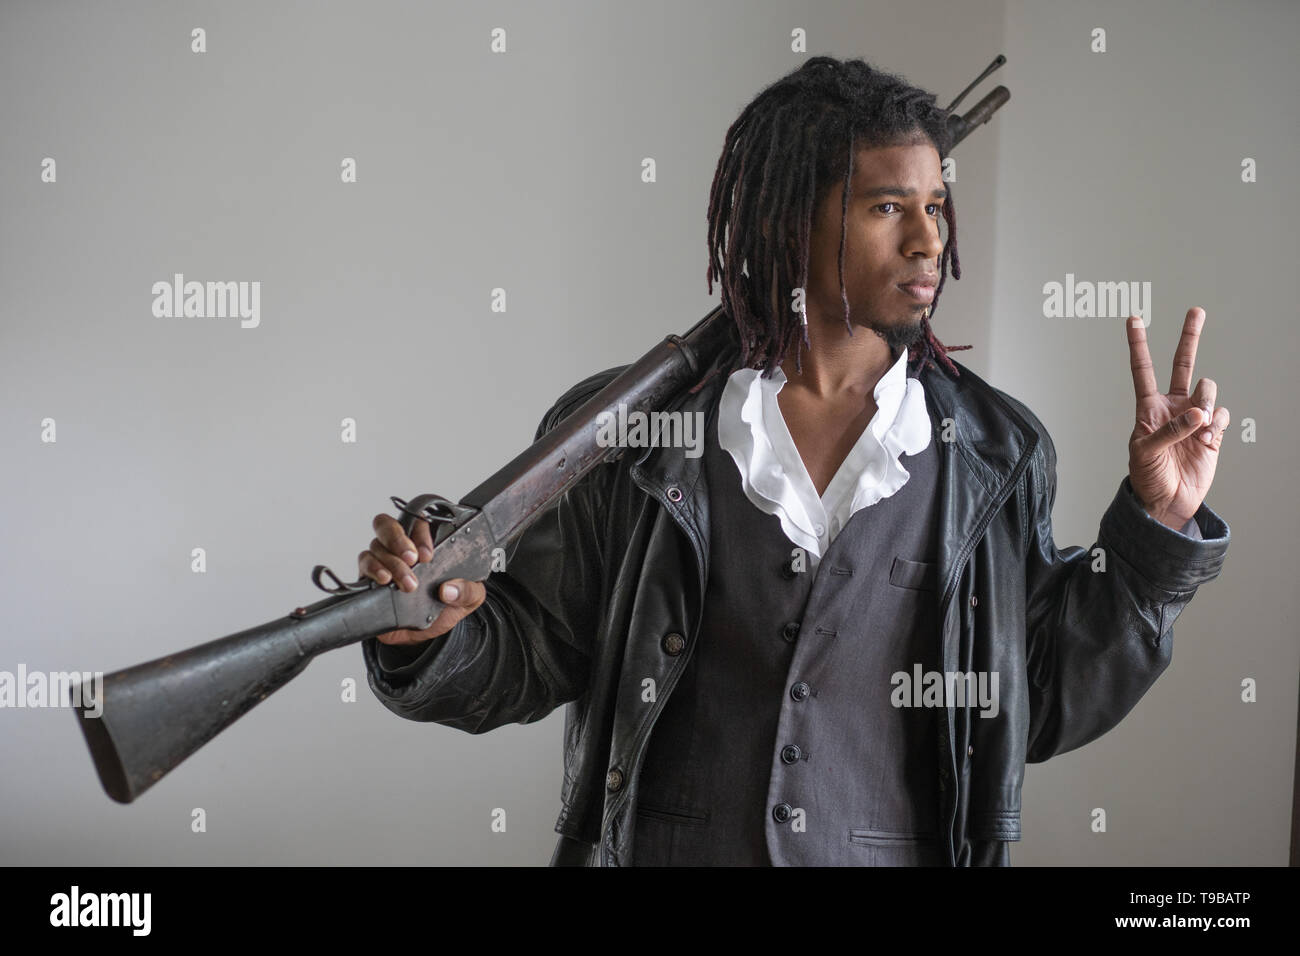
937, 207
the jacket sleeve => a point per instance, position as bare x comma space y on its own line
526, 649
1099, 622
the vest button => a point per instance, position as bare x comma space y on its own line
781, 812
614, 780
974, 600
790, 753
799, 691
791, 631
674, 494
673, 644
970, 751
787, 570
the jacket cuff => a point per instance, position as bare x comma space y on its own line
394, 666
1173, 561
400, 660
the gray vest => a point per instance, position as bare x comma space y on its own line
780, 744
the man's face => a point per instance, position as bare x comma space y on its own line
892, 238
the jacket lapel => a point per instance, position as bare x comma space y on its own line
677, 481
984, 446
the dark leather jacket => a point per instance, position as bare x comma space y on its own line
605, 590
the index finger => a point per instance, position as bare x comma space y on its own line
1185, 355
1144, 377
390, 534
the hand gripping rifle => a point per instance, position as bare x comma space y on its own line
156, 714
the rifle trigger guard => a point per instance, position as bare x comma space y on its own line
430, 508
360, 584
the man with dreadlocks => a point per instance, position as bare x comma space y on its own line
838, 635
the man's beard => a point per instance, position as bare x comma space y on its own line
901, 335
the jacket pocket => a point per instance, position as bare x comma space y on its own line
869, 837
897, 847
673, 815
916, 575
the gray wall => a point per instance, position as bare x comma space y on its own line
1126, 165
523, 171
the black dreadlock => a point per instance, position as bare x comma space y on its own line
795, 139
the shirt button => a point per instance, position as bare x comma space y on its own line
791, 631
614, 780
673, 644
799, 691
790, 753
820, 529
674, 494
781, 812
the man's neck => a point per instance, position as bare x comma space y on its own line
837, 366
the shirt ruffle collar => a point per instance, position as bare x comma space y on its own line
753, 431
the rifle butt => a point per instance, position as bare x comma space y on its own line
156, 714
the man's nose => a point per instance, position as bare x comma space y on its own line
923, 238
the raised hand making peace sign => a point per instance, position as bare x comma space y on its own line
1174, 447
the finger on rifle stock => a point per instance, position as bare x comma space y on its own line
390, 535
373, 568
381, 560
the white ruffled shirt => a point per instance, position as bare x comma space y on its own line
753, 431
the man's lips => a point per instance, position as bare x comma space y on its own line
920, 289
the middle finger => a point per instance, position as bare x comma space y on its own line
394, 565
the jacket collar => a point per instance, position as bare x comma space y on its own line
984, 446
967, 414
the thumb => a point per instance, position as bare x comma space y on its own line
460, 593
461, 598
1176, 429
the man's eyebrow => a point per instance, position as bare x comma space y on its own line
900, 191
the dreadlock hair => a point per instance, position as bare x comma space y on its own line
780, 157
